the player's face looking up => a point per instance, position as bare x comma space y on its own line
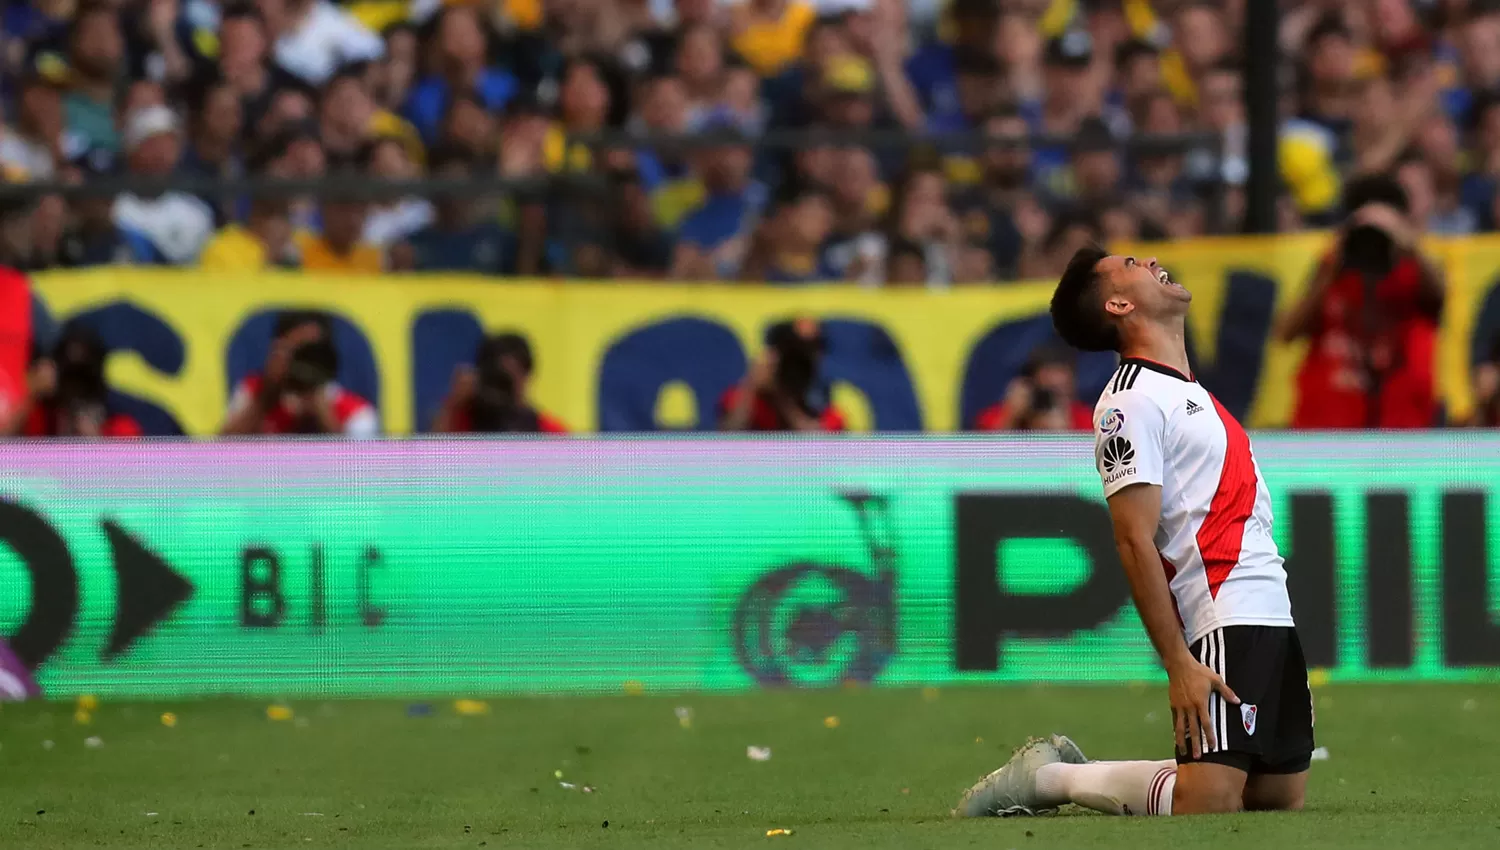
1101, 299
1140, 286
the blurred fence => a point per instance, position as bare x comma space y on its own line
656, 356
520, 566
576, 196
773, 143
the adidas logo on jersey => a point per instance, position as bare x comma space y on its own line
1193, 407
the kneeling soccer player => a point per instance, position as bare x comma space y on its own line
1192, 521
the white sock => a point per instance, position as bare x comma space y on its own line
1112, 787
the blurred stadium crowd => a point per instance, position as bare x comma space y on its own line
526, 89
878, 142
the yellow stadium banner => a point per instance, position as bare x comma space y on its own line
618, 356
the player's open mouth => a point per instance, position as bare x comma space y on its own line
1165, 279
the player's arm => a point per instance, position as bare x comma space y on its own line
1135, 512
1131, 453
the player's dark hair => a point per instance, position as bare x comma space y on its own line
1078, 304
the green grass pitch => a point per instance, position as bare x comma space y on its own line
1410, 767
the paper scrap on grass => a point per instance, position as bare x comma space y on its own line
1320, 754
758, 753
684, 716
775, 832
93, 742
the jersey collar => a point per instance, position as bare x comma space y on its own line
1156, 367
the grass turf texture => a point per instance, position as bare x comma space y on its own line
1412, 767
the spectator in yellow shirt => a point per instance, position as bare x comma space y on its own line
768, 34
264, 240
583, 108
340, 247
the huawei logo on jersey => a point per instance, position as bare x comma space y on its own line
1116, 458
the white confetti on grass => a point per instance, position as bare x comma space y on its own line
755, 753
1320, 754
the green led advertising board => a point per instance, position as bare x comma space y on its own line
574, 565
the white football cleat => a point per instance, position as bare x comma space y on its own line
1011, 790
1069, 751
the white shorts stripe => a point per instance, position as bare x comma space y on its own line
1223, 706
1203, 657
1213, 697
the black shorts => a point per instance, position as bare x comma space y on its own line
1271, 730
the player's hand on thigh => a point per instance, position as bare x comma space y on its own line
1190, 685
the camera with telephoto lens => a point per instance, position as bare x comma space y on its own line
312, 366
1368, 248
79, 357
1044, 399
497, 407
798, 356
